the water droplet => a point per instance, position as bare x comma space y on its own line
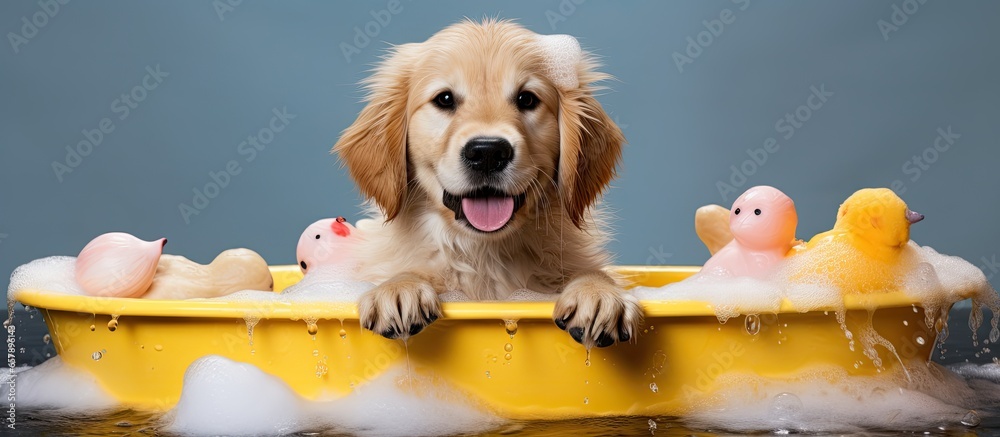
652, 327
321, 368
920, 340
507, 357
315, 352
251, 321
488, 374
915, 308
508, 347
587, 363
113, 324
158, 347
785, 406
312, 328
96, 356
905, 323
653, 387
652, 427
586, 401
93, 328
343, 333
511, 327
971, 418
47, 339
752, 324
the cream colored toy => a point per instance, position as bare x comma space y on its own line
233, 270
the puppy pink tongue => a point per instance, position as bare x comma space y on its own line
488, 213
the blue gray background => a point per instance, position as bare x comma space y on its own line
230, 66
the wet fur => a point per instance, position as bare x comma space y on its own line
400, 152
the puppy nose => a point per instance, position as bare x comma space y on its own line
487, 154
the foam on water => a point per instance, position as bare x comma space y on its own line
328, 284
828, 400
221, 396
55, 274
53, 385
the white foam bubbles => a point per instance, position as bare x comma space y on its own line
53, 385
828, 400
328, 284
56, 274
221, 396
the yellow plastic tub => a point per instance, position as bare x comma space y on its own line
538, 372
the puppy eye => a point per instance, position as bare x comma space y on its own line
527, 101
737, 211
445, 100
756, 211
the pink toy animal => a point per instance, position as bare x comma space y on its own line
327, 243
763, 221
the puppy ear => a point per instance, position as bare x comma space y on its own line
374, 148
589, 151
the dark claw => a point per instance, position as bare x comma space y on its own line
432, 318
561, 323
577, 334
623, 335
604, 340
415, 328
390, 333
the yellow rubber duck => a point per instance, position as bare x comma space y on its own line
865, 249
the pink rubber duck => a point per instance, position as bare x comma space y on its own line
326, 243
763, 222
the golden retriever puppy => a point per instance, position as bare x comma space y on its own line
483, 150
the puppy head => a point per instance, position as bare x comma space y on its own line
484, 120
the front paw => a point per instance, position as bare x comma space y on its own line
399, 308
597, 312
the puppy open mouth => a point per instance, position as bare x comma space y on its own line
485, 209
